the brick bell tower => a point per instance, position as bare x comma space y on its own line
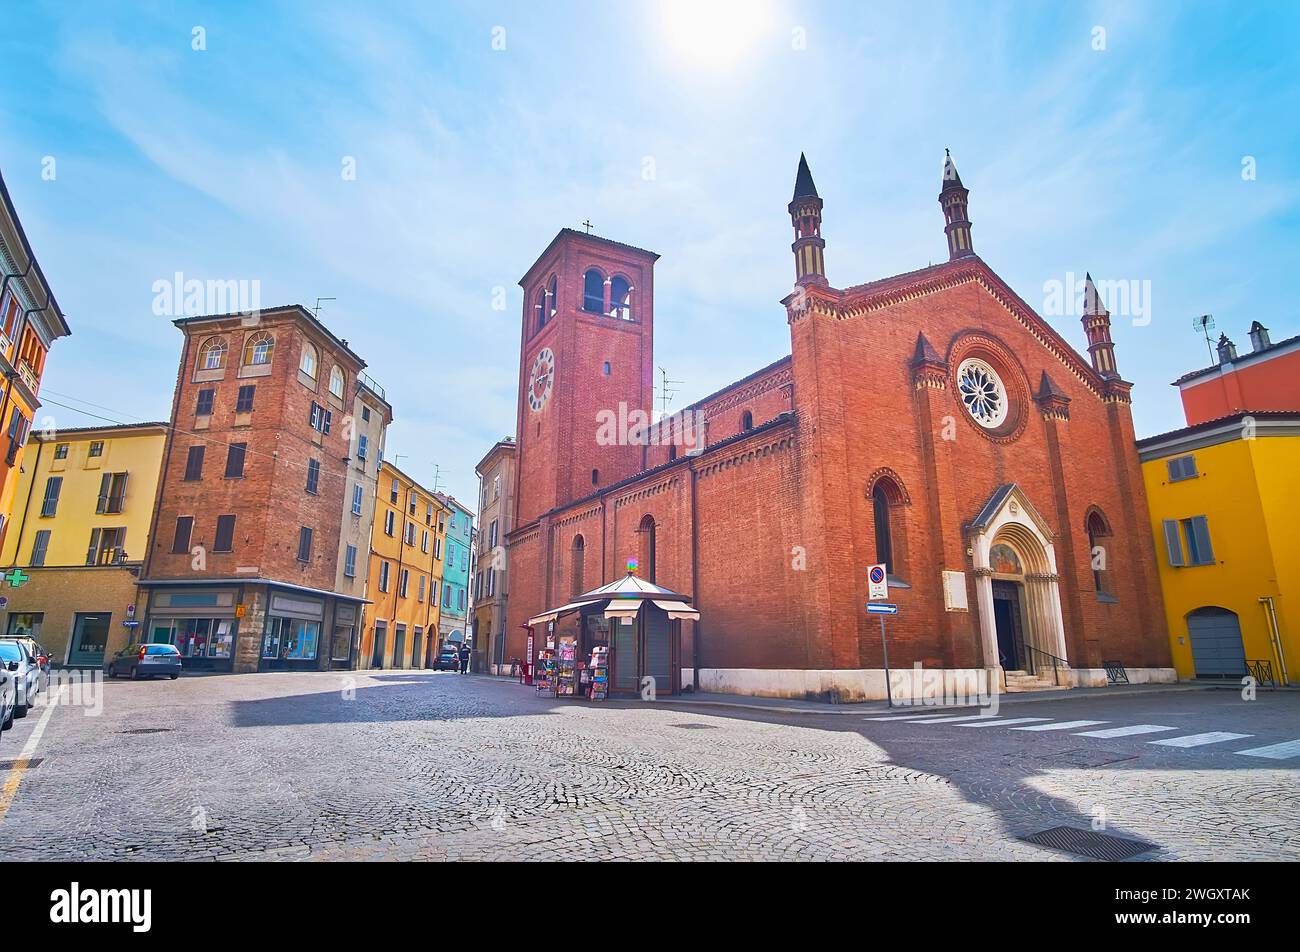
586, 359
806, 215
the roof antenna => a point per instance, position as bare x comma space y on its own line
665, 393
316, 310
1205, 323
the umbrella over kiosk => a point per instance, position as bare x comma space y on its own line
623, 638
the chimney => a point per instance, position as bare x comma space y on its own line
1227, 350
1259, 338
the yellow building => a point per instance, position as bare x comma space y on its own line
80, 527
30, 321
405, 575
1222, 496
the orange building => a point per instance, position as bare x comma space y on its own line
30, 321
1267, 378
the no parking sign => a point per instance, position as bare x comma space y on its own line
877, 582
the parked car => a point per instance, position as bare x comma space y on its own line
448, 659
8, 698
26, 671
35, 650
145, 661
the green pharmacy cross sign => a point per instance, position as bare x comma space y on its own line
16, 578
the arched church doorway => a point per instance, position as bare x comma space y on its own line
1008, 617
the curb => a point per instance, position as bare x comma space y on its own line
879, 707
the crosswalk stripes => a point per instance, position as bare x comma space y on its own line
1000, 722
1283, 751
1199, 740
1127, 731
1061, 726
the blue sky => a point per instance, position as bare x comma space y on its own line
225, 163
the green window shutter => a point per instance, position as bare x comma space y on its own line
1201, 537
1174, 543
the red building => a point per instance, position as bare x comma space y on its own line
931, 421
242, 564
1266, 378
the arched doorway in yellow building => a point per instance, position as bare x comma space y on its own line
1217, 649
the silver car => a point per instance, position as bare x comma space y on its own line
26, 671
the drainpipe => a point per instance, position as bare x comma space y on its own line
695, 589
27, 504
1275, 635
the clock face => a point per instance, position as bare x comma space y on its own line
540, 378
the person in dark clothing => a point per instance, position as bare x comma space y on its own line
464, 659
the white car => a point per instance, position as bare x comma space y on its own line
26, 671
8, 697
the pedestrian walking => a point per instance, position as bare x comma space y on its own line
464, 659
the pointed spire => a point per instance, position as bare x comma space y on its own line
928, 368
1092, 303
803, 181
1096, 325
925, 352
952, 199
950, 177
806, 216
1052, 400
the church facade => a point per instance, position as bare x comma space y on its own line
931, 421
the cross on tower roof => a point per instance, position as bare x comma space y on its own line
587, 225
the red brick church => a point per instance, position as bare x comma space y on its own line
931, 421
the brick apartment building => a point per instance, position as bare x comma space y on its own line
242, 568
931, 421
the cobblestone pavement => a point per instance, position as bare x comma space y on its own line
423, 765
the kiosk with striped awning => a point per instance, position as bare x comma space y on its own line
639, 621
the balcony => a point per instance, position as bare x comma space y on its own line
369, 382
29, 376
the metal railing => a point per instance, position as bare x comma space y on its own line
1262, 672
1032, 662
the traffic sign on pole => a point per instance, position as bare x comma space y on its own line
882, 608
877, 582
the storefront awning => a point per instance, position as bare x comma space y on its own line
677, 609
554, 613
623, 607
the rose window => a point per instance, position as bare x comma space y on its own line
982, 393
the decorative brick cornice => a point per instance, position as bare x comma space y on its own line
749, 452
645, 492
884, 472
782, 377
571, 518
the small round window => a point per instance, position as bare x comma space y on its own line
982, 393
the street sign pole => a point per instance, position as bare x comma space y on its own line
884, 646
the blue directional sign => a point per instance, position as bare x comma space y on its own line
882, 608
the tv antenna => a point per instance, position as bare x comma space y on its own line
316, 310
1205, 324
666, 393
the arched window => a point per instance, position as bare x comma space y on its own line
258, 348
1098, 529
307, 363
646, 561
578, 563
337, 381
593, 292
595, 477
543, 312
887, 502
746, 421
620, 298
555, 297
884, 537
212, 355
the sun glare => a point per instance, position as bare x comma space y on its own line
714, 32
